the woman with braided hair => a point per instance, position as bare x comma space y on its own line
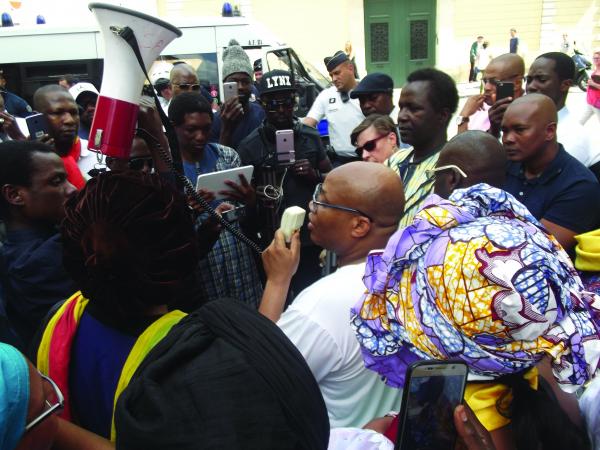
129, 243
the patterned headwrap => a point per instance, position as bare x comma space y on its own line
14, 396
478, 279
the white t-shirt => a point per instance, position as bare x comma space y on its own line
575, 138
318, 323
342, 118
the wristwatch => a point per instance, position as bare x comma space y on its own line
461, 119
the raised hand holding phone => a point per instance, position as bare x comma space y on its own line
433, 389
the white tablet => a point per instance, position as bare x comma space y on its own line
215, 181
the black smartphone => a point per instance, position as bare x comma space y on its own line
37, 125
431, 392
505, 89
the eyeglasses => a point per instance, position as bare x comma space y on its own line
431, 172
274, 105
140, 163
55, 402
511, 79
187, 87
316, 202
369, 145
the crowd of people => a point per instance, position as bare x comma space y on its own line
132, 316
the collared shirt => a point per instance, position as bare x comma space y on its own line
229, 269
247, 124
480, 120
566, 193
417, 185
15, 105
342, 118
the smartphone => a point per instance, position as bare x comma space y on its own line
37, 125
234, 214
230, 90
431, 392
505, 89
284, 145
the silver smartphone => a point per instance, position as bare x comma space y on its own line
431, 392
284, 145
230, 90
37, 125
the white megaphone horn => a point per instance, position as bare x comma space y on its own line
114, 121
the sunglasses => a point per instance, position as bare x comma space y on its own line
431, 172
274, 105
54, 403
140, 163
188, 87
511, 79
369, 145
312, 206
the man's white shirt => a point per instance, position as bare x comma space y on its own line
575, 138
318, 323
341, 117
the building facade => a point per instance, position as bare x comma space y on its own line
398, 36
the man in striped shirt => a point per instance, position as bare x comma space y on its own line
427, 103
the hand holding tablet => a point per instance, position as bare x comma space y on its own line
215, 181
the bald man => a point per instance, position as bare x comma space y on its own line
467, 159
62, 117
484, 112
558, 190
355, 210
183, 78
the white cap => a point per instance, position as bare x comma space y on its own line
78, 88
160, 69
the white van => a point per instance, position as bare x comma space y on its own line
34, 56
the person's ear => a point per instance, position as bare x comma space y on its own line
12, 194
393, 138
360, 227
452, 180
551, 131
565, 85
444, 115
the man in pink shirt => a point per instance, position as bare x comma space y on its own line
483, 112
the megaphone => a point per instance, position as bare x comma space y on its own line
114, 121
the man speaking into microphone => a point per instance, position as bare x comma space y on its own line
281, 185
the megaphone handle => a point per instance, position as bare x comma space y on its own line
128, 35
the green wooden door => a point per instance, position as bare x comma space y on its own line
400, 36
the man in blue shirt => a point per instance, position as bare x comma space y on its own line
514, 41
558, 190
14, 104
34, 188
238, 116
229, 269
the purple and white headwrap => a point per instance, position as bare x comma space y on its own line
477, 278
